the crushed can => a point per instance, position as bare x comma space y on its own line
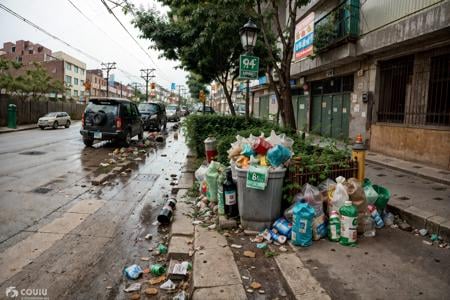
278, 237
283, 227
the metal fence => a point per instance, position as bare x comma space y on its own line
438, 106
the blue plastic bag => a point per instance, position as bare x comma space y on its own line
247, 150
303, 216
133, 272
278, 155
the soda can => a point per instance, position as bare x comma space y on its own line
283, 227
278, 237
165, 215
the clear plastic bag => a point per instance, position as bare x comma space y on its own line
200, 173
340, 194
370, 193
313, 197
289, 211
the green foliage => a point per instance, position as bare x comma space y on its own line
195, 85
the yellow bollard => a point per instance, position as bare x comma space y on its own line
359, 154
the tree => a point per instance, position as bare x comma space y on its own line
202, 35
195, 85
269, 12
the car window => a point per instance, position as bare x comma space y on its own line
50, 115
106, 106
126, 109
134, 110
148, 108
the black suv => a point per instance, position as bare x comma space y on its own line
113, 119
153, 115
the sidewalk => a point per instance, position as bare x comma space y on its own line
420, 194
19, 128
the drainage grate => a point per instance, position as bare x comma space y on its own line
32, 153
42, 190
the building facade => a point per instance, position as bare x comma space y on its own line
380, 68
26, 52
74, 74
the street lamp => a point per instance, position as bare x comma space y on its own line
248, 33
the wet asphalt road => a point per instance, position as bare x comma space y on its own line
83, 236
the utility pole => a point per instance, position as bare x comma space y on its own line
135, 85
108, 67
146, 74
121, 95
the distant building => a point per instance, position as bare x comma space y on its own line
26, 52
97, 83
74, 74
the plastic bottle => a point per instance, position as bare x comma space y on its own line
368, 226
349, 223
375, 216
230, 196
334, 231
303, 216
220, 196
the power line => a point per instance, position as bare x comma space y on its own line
103, 31
10, 11
137, 43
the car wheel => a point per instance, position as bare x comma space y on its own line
42, 127
67, 124
127, 140
88, 142
55, 125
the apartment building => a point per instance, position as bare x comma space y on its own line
26, 52
74, 74
97, 83
380, 68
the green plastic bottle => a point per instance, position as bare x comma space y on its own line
349, 223
334, 227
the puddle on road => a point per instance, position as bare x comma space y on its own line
33, 153
146, 214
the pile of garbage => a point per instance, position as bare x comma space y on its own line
273, 151
338, 210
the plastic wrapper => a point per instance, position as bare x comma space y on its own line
234, 152
289, 211
313, 197
263, 160
278, 155
340, 194
274, 139
200, 173
370, 193
247, 150
326, 189
242, 162
254, 160
133, 272
356, 194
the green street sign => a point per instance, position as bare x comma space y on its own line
248, 67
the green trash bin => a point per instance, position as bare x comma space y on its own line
383, 197
12, 116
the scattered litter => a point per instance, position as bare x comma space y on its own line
283, 249
443, 245
145, 258
250, 254
249, 291
255, 285
212, 227
104, 165
226, 234
423, 232
427, 243
138, 159
133, 287
109, 287
168, 285
405, 226
236, 246
151, 291
258, 239
261, 292
178, 270
133, 271
261, 245
316, 268
157, 280
245, 278
162, 249
156, 223
197, 222
182, 295
146, 271
434, 237
135, 297
148, 236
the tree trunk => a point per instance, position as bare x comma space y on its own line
229, 100
247, 101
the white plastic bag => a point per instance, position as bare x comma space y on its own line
200, 173
314, 198
340, 194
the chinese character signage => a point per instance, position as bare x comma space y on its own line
304, 37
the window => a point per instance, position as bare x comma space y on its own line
30, 51
68, 93
68, 79
75, 68
68, 66
75, 81
13, 49
81, 93
438, 106
82, 71
395, 86
75, 92
82, 82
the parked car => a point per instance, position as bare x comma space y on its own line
239, 109
208, 110
112, 119
54, 120
153, 115
184, 111
173, 112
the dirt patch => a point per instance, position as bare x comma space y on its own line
261, 269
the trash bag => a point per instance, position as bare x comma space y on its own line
234, 152
314, 198
200, 173
371, 194
289, 211
340, 194
357, 196
278, 155
383, 197
326, 189
247, 150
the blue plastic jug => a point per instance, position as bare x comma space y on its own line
303, 215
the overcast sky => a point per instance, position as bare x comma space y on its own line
110, 43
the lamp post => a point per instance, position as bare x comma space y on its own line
248, 34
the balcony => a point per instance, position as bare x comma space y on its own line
340, 25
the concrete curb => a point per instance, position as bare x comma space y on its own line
17, 129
